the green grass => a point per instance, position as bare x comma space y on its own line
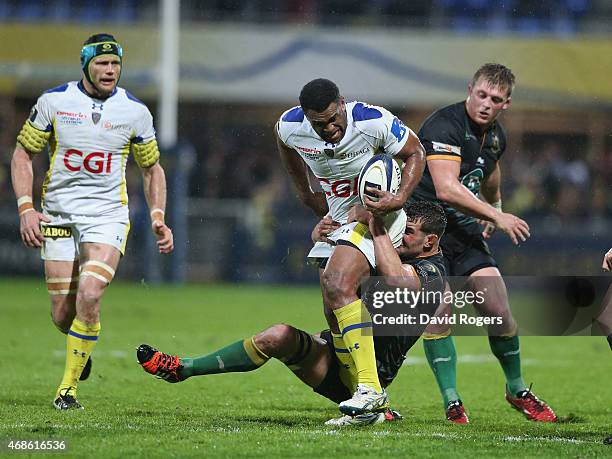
269, 412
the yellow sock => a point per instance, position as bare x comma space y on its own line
348, 372
353, 320
80, 341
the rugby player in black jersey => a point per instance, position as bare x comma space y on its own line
317, 358
464, 143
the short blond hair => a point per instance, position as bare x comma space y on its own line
496, 75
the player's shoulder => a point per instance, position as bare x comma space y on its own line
290, 122
60, 91
128, 98
364, 114
451, 115
429, 267
293, 115
370, 119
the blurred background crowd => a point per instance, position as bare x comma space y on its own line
244, 220
561, 17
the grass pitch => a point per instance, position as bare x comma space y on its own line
269, 412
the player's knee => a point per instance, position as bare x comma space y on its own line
90, 292
276, 341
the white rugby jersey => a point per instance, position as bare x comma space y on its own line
88, 148
370, 130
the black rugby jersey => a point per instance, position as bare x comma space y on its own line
449, 133
391, 350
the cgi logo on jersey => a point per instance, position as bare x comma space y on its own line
95, 163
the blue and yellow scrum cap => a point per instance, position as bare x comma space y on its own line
99, 45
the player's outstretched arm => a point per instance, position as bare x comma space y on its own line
297, 170
413, 155
445, 175
22, 176
388, 262
155, 193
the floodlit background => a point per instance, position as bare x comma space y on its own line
242, 63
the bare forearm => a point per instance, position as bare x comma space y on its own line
388, 263
155, 187
459, 197
412, 173
22, 174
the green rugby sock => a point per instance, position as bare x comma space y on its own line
507, 351
237, 357
442, 358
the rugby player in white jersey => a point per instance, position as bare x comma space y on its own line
334, 139
90, 126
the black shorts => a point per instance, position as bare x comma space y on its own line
465, 253
332, 386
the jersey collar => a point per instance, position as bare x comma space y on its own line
84, 91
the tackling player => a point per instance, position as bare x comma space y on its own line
322, 361
334, 139
464, 143
90, 126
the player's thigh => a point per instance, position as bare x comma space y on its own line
98, 265
345, 270
489, 285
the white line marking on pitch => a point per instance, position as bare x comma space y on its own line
550, 439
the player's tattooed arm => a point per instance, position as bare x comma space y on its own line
445, 175
297, 170
155, 193
388, 262
22, 176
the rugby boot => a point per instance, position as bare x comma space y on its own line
456, 413
67, 401
365, 400
160, 364
531, 406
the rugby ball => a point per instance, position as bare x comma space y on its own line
381, 172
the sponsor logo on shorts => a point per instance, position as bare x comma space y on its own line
57, 232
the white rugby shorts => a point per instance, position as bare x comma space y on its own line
65, 233
358, 235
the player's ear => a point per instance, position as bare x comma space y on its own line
430, 241
469, 93
507, 103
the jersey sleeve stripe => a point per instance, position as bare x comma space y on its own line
449, 157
